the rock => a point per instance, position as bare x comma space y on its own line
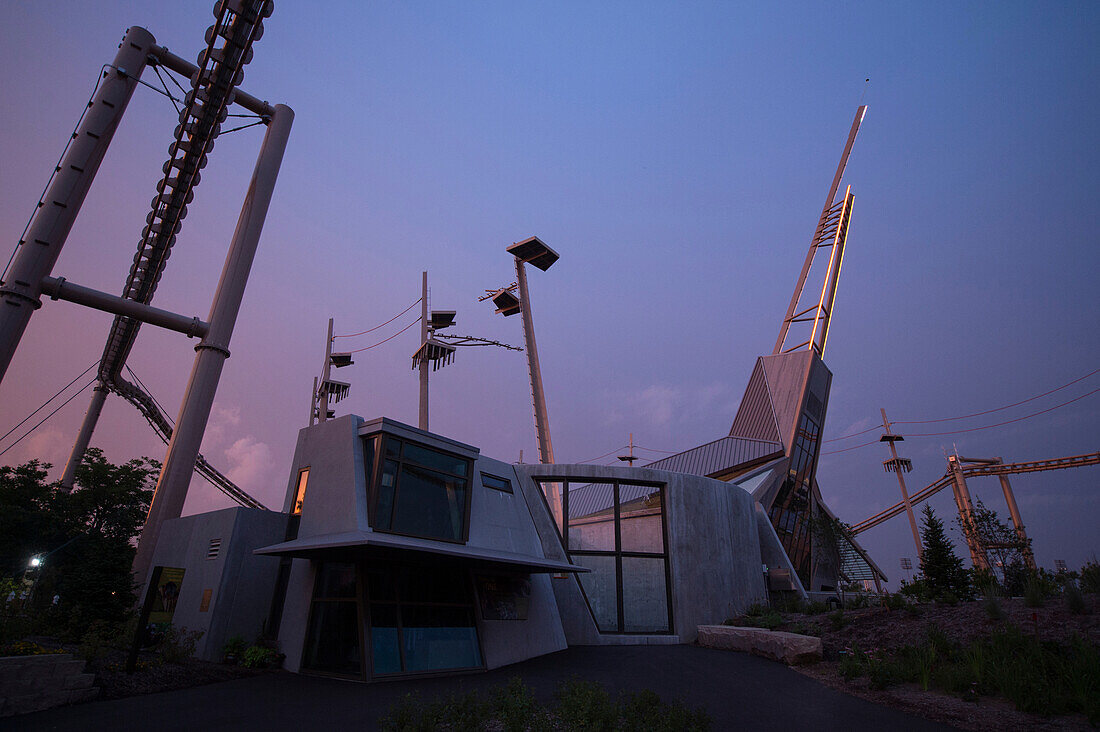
790, 648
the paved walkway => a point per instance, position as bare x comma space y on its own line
737, 690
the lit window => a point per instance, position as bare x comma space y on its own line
300, 492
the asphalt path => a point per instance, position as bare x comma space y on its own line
737, 690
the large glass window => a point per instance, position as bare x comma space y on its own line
417, 490
617, 530
791, 510
332, 640
421, 619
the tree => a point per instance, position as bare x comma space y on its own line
940, 567
85, 536
999, 542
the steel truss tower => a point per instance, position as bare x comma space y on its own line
220, 69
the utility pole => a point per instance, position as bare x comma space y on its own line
900, 466
630, 457
322, 395
423, 421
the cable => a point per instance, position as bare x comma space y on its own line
601, 457
371, 330
32, 429
976, 429
367, 348
846, 449
854, 434
666, 452
245, 127
1018, 419
162, 83
1001, 409
55, 396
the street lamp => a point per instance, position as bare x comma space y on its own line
329, 388
534, 251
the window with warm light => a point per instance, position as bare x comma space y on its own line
300, 492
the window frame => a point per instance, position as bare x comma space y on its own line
509, 489
300, 492
617, 552
374, 479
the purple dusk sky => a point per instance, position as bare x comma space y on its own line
676, 155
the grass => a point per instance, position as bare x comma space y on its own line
1040, 677
580, 705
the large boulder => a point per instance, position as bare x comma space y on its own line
790, 648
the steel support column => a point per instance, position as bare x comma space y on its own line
966, 513
38, 252
538, 396
99, 396
1017, 522
179, 462
422, 422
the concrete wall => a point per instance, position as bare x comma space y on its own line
241, 584
336, 490
713, 546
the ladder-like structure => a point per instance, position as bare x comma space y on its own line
832, 234
220, 69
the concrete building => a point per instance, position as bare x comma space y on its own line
400, 552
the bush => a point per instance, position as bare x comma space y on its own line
917, 589
235, 647
992, 607
1075, 601
1090, 577
1035, 590
895, 601
817, 607
259, 657
178, 644
514, 705
26, 648
837, 619
585, 705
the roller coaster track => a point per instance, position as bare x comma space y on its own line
1075, 461
221, 68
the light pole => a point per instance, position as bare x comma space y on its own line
328, 387
535, 252
900, 466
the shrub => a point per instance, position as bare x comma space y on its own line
585, 705
235, 647
1075, 601
644, 711
817, 607
514, 705
259, 657
837, 619
1090, 577
851, 663
917, 589
178, 644
895, 601
26, 648
1035, 591
992, 606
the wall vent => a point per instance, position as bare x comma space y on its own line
213, 549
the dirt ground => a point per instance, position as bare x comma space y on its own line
879, 628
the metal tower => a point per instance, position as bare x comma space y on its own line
219, 70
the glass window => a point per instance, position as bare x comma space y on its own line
645, 597
641, 519
300, 492
500, 484
599, 588
430, 504
421, 619
591, 516
420, 492
617, 530
332, 639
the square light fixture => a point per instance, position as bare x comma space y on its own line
441, 319
506, 301
535, 252
340, 360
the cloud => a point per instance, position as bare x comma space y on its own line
250, 463
46, 444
